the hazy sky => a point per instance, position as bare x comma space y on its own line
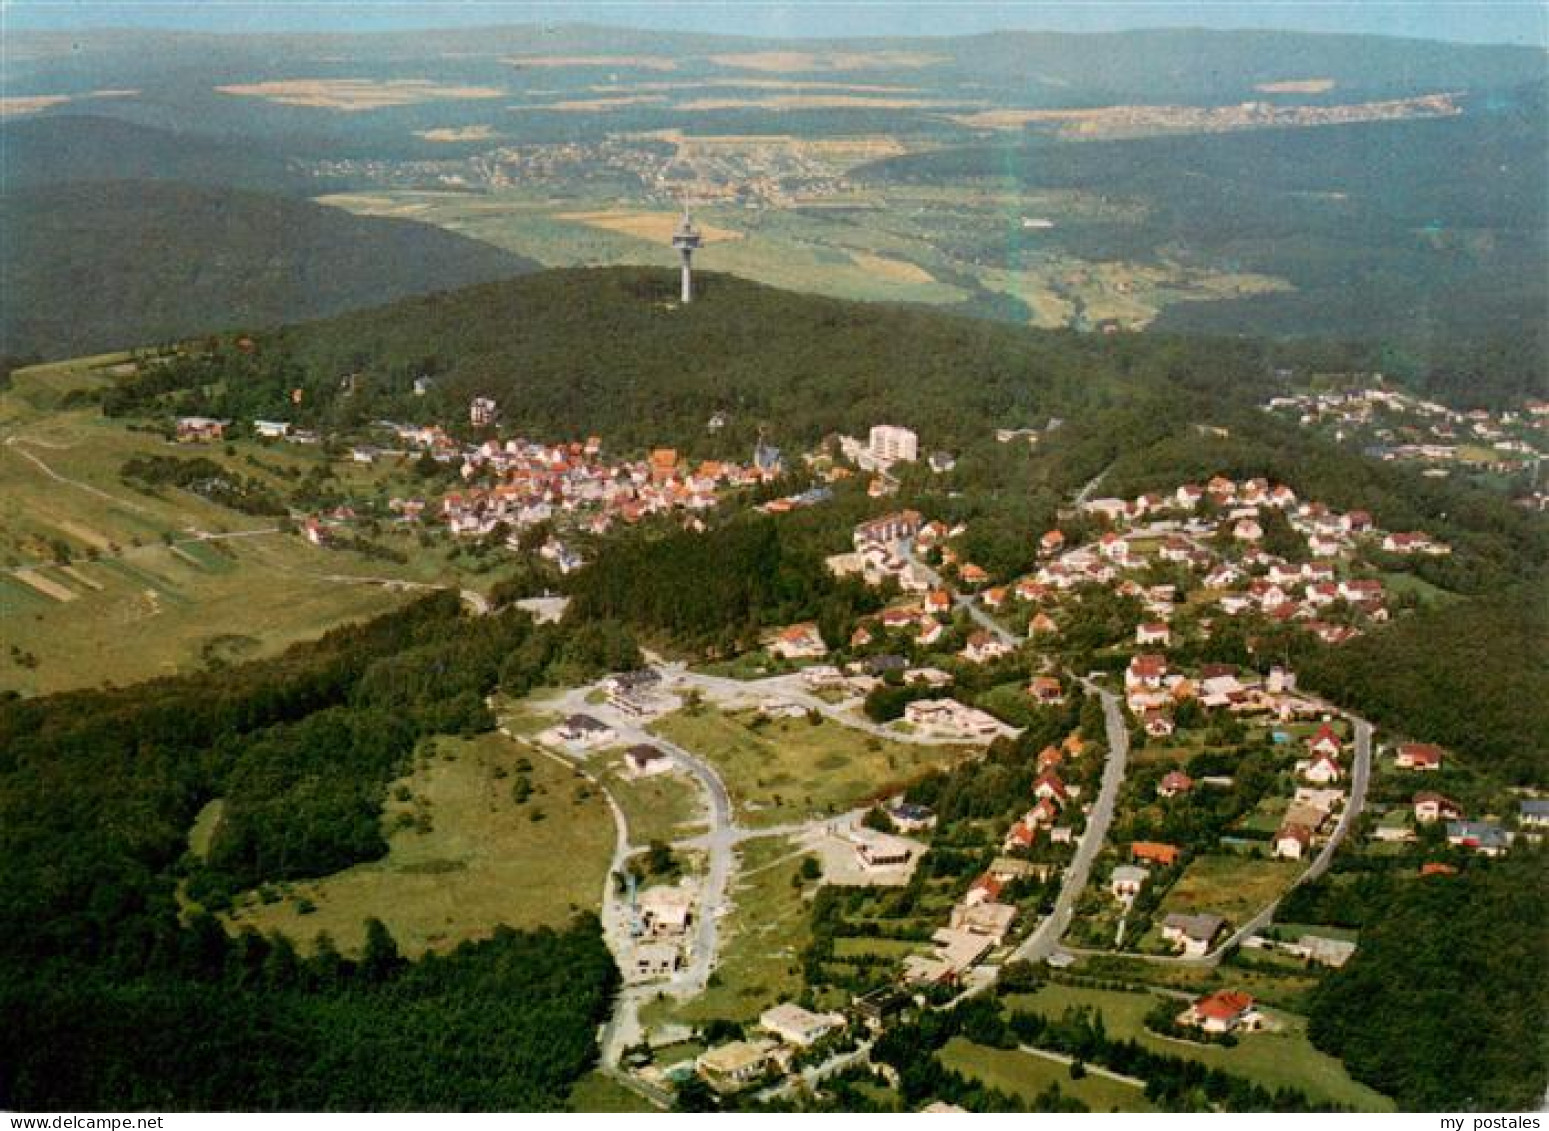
1484, 21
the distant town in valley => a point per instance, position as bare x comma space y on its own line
707, 574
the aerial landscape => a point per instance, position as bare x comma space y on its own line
676, 564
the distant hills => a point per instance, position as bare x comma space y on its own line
93, 266
1428, 233
1422, 233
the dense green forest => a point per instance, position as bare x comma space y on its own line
93, 266
572, 352
1443, 1006
1471, 675
57, 149
115, 995
715, 593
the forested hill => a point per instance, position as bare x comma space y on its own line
91, 266
68, 148
610, 351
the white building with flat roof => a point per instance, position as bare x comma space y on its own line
892, 444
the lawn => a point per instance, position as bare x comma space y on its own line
485, 860
1266, 817
1236, 887
1285, 986
664, 807
595, 1092
786, 770
1026, 1075
1280, 1059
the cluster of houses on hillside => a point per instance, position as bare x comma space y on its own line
1052, 798
520, 484
1393, 425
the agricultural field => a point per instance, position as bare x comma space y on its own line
1275, 1059
464, 856
102, 582
355, 95
780, 771
1026, 1075
941, 245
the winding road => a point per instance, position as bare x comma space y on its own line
1046, 936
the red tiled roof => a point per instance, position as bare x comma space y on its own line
1224, 1005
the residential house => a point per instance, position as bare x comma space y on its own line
1153, 632
1154, 852
799, 642
1533, 813
1480, 836
200, 430
1146, 671
1193, 935
1325, 741
985, 889
1127, 880
797, 1026
583, 730
1292, 841
1046, 690
1431, 807
909, 818
1321, 769
1049, 787
1422, 756
665, 911
1224, 1011
734, 1066
644, 761
1174, 783
984, 646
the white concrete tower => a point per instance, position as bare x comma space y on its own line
686, 239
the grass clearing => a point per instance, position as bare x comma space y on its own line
1235, 887
595, 1092
663, 807
1027, 1075
784, 770
761, 940
1279, 1059
484, 862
